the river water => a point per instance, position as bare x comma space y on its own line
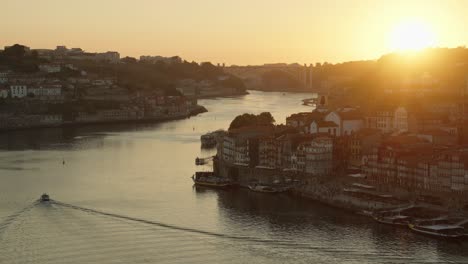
142, 171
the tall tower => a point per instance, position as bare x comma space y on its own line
311, 69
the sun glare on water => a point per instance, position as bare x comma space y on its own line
411, 36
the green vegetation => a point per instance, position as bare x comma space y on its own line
244, 120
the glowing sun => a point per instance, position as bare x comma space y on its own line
411, 35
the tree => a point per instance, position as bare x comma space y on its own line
129, 60
265, 118
18, 51
244, 120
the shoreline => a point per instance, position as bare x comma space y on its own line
330, 190
222, 96
194, 112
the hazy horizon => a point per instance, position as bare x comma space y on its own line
241, 32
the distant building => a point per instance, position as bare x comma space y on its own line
401, 120
318, 156
155, 59
439, 137
110, 56
381, 118
328, 127
46, 90
4, 91
302, 121
361, 145
4, 77
349, 120
18, 91
50, 68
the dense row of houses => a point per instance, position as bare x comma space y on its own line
413, 164
277, 148
396, 149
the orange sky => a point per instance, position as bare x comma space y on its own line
235, 32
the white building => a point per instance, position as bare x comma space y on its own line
329, 127
110, 56
50, 68
348, 120
18, 91
50, 90
400, 122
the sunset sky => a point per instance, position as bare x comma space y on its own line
237, 32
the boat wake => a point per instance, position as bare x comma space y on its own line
11, 218
185, 229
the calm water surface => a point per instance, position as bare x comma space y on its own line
143, 171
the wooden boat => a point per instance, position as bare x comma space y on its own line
439, 231
268, 188
209, 179
200, 161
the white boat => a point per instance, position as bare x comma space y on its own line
439, 231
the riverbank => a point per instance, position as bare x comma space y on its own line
193, 112
334, 191
230, 95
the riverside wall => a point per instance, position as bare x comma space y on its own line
193, 112
325, 189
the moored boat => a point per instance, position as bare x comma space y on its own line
400, 220
268, 188
209, 179
439, 231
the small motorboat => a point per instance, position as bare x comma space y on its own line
209, 179
267, 188
45, 197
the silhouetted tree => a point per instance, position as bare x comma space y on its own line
129, 60
17, 51
244, 120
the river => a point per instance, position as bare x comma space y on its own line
143, 171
